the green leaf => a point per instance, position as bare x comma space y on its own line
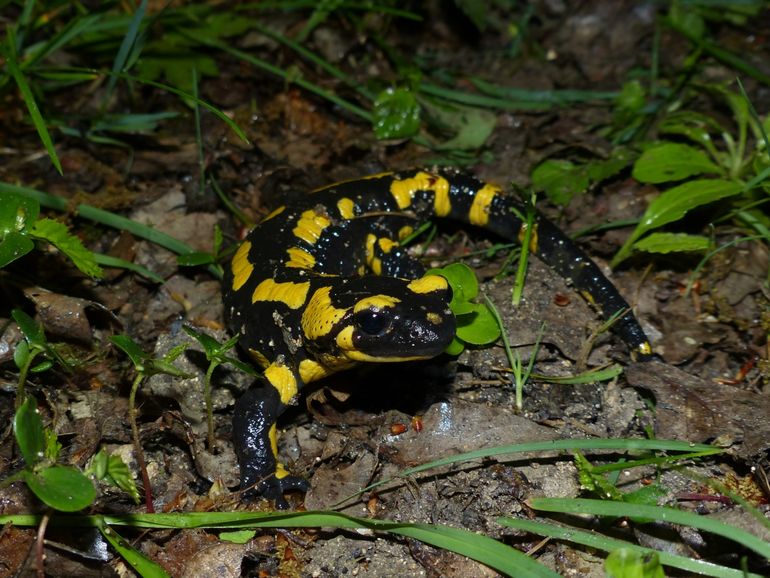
462, 279
396, 114
560, 180
17, 212
237, 536
58, 235
628, 563
132, 349
471, 127
672, 162
29, 98
29, 432
116, 473
674, 204
63, 488
482, 330
144, 567
12, 246
672, 243
21, 354
31, 329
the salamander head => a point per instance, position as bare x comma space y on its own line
379, 319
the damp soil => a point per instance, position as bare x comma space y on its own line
708, 382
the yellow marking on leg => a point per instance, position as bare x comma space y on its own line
280, 471
320, 316
310, 370
283, 380
259, 357
274, 213
428, 284
240, 266
300, 259
376, 302
346, 207
310, 226
403, 191
479, 213
404, 232
292, 294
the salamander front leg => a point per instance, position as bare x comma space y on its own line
254, 436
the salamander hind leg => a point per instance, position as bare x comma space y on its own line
254, 436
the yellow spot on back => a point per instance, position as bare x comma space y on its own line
376, 302
404, 232
282, 379
259, 357
479, 213
300, 259
386, 245
403, 191
292, 294
346, 208
310, 226
320, 316
275, 213
374, 264
241, 267
434, 318
442, 205
428, 284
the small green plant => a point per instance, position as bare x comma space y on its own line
476, 325
627, 563
216, 354
63, 488
21, 226
710, 172
33, 345
145, 365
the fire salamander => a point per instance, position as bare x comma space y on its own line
318, 287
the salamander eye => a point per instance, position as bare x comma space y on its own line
374, 321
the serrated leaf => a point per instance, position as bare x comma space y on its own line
59, 236
396, 114
672, 243
63, 488
672, 162
29, 432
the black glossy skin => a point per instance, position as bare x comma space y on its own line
418, 324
